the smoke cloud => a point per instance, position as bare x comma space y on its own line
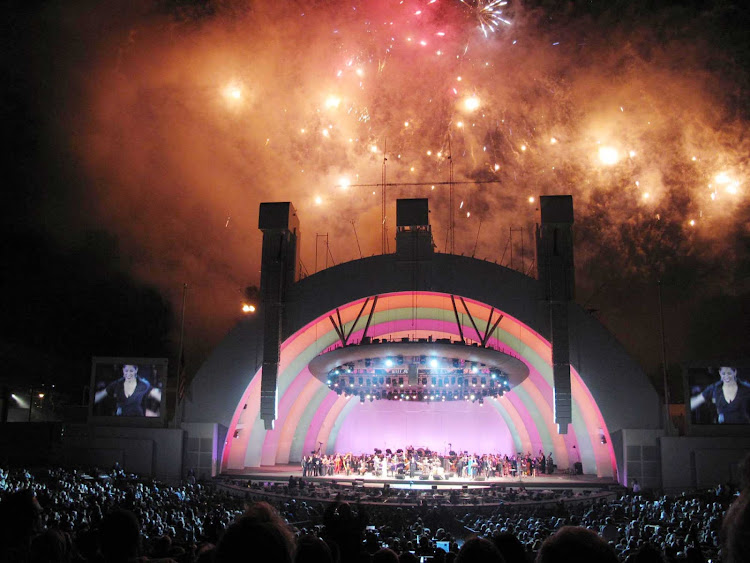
182, 118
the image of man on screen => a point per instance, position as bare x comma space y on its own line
131, 394
730, 396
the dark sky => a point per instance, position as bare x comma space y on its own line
141, 136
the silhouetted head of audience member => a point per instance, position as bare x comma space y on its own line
259, 535
205, 553
479, 550
20, 519
572, 544
384, 555
735, 531
87, 544
694, 555
647, 553
52, 546
510, 547
119, 536
161, 546
311, 549
407, 557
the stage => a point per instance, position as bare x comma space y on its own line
558, 480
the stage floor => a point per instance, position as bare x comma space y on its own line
277, 473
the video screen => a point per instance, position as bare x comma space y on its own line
719, 394
128, 387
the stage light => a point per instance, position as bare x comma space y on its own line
364, 376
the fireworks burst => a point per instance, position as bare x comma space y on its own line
488, 13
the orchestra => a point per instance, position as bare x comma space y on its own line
426, 464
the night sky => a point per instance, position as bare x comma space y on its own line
140, 138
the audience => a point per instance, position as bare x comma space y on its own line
58, 515
259, 535
479, 550
574, 544
311, 549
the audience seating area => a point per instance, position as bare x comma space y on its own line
92, 516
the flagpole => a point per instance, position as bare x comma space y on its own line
180, 359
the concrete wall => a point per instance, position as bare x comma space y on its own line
204, 444
689, 462
153, 452
222, 379
638, 457
30, 443
514, 293
622, 391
